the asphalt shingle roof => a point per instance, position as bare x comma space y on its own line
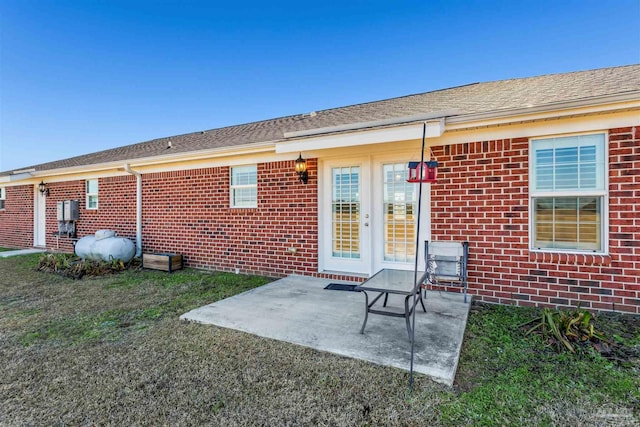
473, 98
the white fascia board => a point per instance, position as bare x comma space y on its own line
435, 129
29, 170
156, 160
261, 147
220, 161
567, 125
375, 124
13, 178
20, 176
603, 104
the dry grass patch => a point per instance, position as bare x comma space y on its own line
111, 351
186, 374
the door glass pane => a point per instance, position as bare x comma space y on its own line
345, 212
400, 209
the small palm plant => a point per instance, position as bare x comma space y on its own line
565, 329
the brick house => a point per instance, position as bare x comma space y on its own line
541, 175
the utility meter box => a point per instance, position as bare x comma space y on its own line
60, 208
68, 214
70, 210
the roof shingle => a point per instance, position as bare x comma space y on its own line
468, 99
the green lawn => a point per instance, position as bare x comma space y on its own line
111, 350
6, 249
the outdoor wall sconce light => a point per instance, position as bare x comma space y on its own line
42, 188
301, 169
423, 172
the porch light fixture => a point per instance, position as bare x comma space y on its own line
301, 169
423, 171
43, 189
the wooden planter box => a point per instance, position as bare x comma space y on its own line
164, 262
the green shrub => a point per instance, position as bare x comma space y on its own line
71, 266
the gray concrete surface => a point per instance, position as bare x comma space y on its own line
299, 310
7, 254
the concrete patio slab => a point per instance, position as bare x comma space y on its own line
299, 310
7, 254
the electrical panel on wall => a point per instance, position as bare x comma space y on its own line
71, 210
67, 213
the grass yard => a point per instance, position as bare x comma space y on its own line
111, 351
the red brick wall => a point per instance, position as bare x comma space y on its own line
482, 196
188, 212
16, 220
116, 209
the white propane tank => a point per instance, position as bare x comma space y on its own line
104, 234
105, 246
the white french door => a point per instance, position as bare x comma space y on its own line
346, 216
396, 225
369, 216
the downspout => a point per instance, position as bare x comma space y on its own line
138, 176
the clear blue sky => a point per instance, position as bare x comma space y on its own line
83, 76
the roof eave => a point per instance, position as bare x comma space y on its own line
596, 104
295, 140
405, 128
162, 159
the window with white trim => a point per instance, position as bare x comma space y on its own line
568, 193
3, 197
92, 194
244, 186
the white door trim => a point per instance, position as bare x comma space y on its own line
39, 218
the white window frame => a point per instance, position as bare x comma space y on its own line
3, 198
95, 194
602, 193
233, 187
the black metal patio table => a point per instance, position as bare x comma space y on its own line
389, 281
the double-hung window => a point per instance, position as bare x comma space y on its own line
3, 197
244, 186
92, 194
568, 193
